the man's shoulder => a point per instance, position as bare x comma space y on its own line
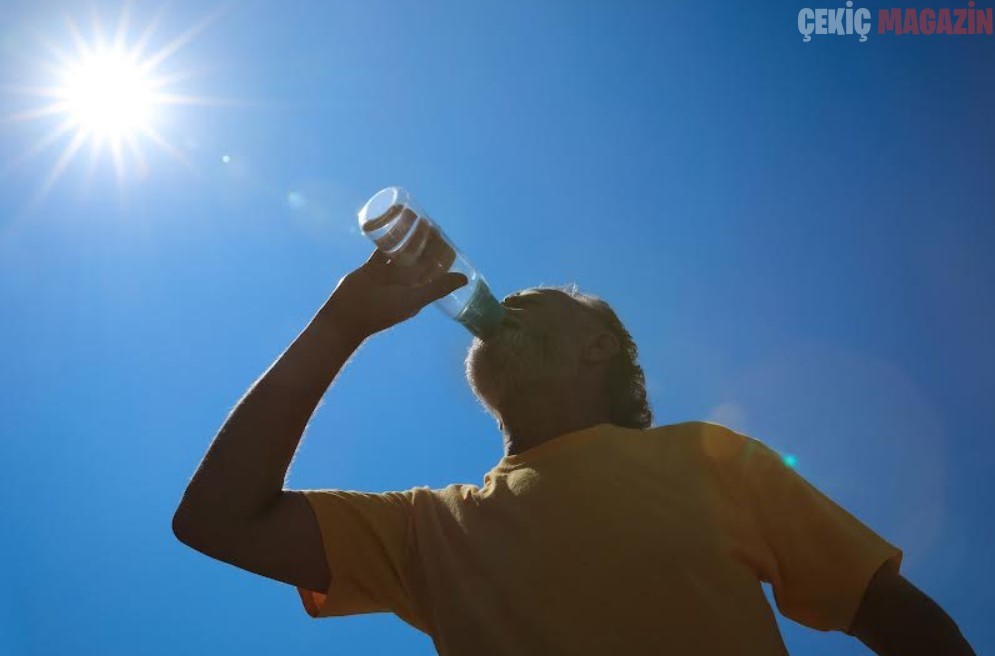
696, 427
713, 439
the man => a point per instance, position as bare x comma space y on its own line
594, 534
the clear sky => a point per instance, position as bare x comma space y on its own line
798, 236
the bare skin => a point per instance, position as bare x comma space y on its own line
542, 374
540, 377
235, 507
896, 618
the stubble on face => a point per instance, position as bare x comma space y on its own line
514, 358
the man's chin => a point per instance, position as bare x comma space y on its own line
491, 371
484, 388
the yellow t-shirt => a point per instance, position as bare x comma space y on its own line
606, 540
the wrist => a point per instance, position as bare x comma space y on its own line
335, 317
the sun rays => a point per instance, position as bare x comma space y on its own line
106, 93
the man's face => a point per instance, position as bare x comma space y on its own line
541, 341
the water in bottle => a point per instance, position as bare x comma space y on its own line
409, 237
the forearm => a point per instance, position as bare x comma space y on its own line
925, 631
247, 463
897, 618
932, 633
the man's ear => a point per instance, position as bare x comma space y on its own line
602, 347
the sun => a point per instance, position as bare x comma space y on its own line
109, 95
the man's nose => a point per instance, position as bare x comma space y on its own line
509, 297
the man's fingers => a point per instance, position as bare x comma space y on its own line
375, 263
380, 267
440, 287
376, 258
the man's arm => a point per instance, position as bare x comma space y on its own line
235, 508
897, 618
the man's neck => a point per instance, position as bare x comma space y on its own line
539, 416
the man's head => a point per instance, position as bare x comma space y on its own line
557, 338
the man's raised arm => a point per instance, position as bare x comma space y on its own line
235, 507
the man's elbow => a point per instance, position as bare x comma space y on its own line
195, 529
184, 528
213, 533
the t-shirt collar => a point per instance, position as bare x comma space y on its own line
553, 445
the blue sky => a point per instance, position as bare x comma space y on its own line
797, 235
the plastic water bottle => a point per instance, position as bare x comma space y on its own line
407, 236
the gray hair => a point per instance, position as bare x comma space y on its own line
625, 381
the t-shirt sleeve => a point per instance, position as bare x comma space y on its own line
367, 543
821, 557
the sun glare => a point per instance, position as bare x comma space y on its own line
108, 95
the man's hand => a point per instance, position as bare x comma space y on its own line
381, 293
